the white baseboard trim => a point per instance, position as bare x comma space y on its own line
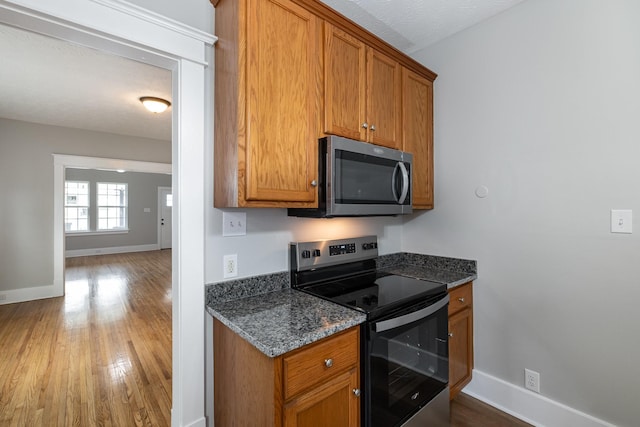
28, 294
528, 406
200, 422
111, 250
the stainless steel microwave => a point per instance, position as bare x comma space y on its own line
360, 179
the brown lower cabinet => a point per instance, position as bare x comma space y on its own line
460, 337
317, 385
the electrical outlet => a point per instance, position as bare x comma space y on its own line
230, 266
532, 380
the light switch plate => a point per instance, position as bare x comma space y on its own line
234, 223
621, 221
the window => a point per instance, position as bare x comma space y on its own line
76, 206
112, 206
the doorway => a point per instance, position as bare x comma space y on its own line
134, 33
165, 203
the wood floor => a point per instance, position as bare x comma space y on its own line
469, 412
101, 356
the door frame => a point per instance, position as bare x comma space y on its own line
159, 207
126, 30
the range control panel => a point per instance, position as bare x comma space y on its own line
323, 253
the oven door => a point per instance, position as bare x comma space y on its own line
406, 363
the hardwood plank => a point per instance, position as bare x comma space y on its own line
467, 411
101, 355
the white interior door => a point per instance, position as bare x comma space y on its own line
165, 203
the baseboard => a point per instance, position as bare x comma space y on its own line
111, 250
528, 406
28, 294
200, 422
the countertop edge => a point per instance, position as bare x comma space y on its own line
306, 338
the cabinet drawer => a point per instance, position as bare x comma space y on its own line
310, 366
460, 297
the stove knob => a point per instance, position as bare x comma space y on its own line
316, 252
306, 254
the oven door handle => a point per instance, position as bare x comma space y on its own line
385, 325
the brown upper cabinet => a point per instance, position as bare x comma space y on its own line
288, 72
266, 104
362, 89
417, 134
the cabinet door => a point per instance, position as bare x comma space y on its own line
417, 125
282, 90
384, 98
460, 350
333, 404
344, 84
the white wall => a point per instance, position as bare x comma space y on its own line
541, 104
269, 231
195, 13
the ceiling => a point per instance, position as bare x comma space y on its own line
49, 81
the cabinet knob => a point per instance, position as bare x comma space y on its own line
373, 128
461, 299
365, 125
356, 392
328, 363
451, 334
314, 183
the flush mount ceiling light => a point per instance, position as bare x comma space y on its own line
155, 105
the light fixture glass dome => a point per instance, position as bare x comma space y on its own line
155, 105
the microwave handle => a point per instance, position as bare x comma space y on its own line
396, 322
405, 182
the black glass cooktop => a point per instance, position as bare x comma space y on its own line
373, 293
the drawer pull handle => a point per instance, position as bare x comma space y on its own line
461, 299
356, 392
328, 363
451, 334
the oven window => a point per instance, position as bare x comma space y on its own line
408, 367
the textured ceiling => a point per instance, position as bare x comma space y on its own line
49, 81
412, 25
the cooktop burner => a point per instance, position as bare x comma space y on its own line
344, 271
384, 291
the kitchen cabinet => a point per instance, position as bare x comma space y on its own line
362, 90
460, 337
316, 385
267, 93
288, 72
417, 134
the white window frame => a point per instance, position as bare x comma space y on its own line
77, 207
100, 206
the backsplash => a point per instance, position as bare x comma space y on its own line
427, 261
263, 284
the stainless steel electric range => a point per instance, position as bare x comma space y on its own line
404, 347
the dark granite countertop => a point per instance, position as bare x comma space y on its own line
450, 271
275, 319
281, 321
